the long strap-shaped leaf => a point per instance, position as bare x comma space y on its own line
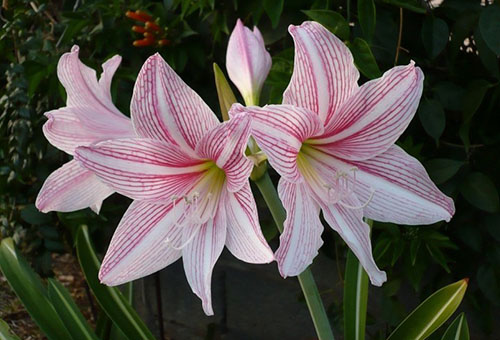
355, 298
431, 313
110, 299
458, 330
31, 291
69, 312
6, 333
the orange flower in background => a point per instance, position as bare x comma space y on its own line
153, 34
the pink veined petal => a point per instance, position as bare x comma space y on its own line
201, 253
84, 90
142, 169
109, 68
71, 188
403, 192
66, 129
375, 116
247, 61
324, 75
356, 233
142, 243
244, 236
301, 237
165, 108
280, 130
225, 145
258, 35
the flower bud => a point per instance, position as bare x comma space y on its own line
247, 62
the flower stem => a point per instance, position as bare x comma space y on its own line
306, 279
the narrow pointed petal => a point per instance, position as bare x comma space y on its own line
142, 243
201, 253
403, 192
301, 237
244, 235
226, 145
375, 116
84, 90
324, 75
71, 188
356, 233
142, 169
165, 108
247, 61
108, 71
280, 130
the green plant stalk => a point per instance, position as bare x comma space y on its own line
306, 279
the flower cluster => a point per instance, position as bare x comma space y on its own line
331, 141
152, 33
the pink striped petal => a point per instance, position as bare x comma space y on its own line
225, 145
71, 188
143, 243
244, 236
375, 116
324, 75
163, 107
109, 68
84, 90
247, 61
403, 192
301, 237
280, 130
141, 168
201, 253
356, 233
66, 129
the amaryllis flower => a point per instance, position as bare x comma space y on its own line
189, 177
247, 61
332, 142
88, 117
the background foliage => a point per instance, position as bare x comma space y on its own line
455, 132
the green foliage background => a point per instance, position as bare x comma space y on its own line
455, 132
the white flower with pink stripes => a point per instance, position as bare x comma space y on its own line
247, 61
332, 142
188, 176
88, 117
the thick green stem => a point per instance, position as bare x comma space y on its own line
306, 280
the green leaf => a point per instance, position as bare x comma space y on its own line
68, 311
432, 117
442, 169
487, 56
110, 299
364, 59
6, 333
33, 216
355, 298
488, 283
412, 5
31, 291
431, 313
435, 35
367, 18
489, 24
458, 330
332, 20
224, 92
480, 191
273, 10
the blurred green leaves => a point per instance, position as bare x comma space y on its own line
489, 23
332, 20
480, 191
